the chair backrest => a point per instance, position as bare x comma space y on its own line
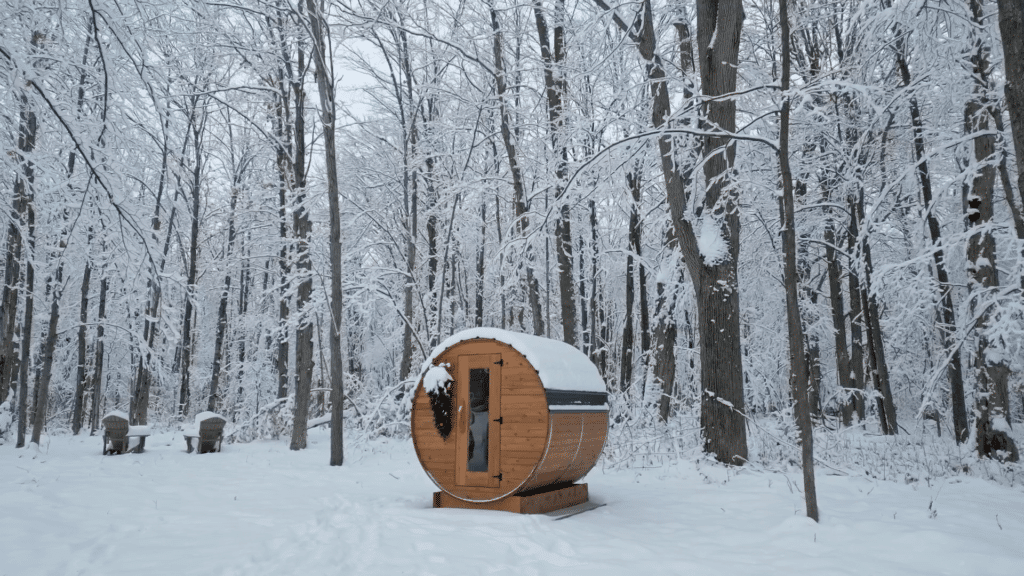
212, 427
115, 426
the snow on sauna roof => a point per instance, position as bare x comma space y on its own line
559, 365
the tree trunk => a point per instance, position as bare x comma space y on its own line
636, 247
479, 318
555, 88
722, 403
518, 186
190, 288
97, 372
947, 326
411, 197
798, 370
325, 85
993, 398
879, 370
80, 375
1011, 22
222, 309
24, 194
665, 332
835, 289
304, 268
43, 382
856, 318
626, 358
12, 277
715, 278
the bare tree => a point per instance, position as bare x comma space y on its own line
799, 374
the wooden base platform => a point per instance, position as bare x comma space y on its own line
537, 501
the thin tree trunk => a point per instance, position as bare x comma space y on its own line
665, 332
325, 85
25, 197
193, 257
835, 289
43, 383
304, 268
80, 375
857, 323
799, 374
947, 326
480, 266
597, 335
519, 189
12, 277
555, 88
626, 358
222, 309
96, 379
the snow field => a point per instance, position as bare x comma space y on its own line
259, 509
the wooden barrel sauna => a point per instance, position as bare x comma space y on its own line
498, 414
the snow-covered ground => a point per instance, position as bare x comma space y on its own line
261, 509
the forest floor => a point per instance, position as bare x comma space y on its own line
260, 508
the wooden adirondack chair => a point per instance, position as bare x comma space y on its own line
208, 432
115, 433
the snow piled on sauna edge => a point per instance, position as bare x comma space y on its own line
261, 509
559, 365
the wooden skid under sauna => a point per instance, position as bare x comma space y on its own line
539, 501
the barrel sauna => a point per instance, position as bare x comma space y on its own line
508, 421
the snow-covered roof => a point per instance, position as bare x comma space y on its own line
559, 365
118, 413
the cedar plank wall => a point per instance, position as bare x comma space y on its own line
537, 448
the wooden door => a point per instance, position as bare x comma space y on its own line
478, 410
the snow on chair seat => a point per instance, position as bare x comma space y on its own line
208, 431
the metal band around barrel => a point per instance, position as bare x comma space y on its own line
573, 398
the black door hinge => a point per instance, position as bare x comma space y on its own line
499, 419
500, 362
498, 476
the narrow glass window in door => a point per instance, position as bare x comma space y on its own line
479, 400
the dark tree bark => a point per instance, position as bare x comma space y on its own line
636, 247
835, 291
12, 277
555, 87
222, 309
1011, 22
325, 86
282, 127
24, 194
993, 397
303, 266
518, 186
857, 358
665, 332
479, 318
798, 370
80, 375
96, 380
947, 325
193, 262
715, 280
626, 357
46, 358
